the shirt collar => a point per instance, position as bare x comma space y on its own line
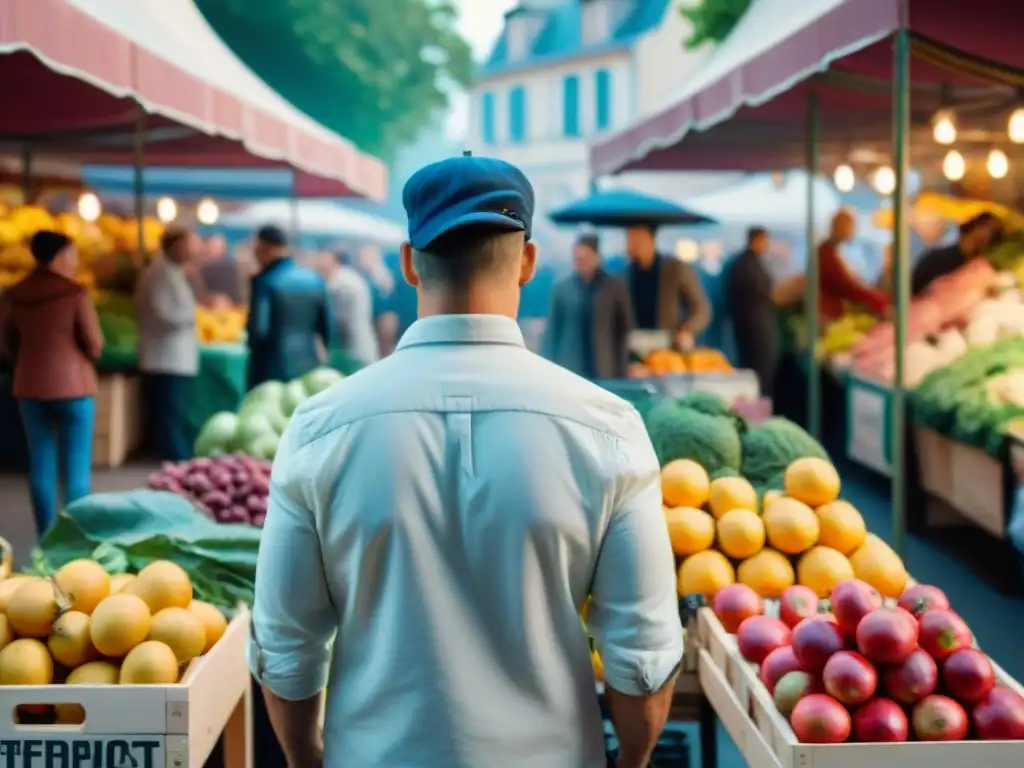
463, 329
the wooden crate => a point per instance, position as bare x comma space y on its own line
934, 459
766, 740
118, 420
146, 726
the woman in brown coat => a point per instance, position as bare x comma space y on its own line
49, 328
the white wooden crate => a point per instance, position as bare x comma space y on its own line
765, 739
144, 726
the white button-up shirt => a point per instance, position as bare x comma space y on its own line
441, 517
166, 307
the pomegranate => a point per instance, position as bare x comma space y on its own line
820, 719
792, 687
849, 678
1000, 716
797, 603
734, 604
776, 664
880, 720
852, 601
923, 597
887, 636
968, 675
760, 635
942, 632
939, 718
815, 640
916, 677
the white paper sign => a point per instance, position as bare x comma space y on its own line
868, 428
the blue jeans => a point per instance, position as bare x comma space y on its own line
58, 428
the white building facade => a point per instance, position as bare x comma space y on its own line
565, 72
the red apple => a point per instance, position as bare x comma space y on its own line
849, 678
735, 604
852, 601
1000, 716
887, 636
776, 664
968, 675
760, 635
942, 632
923, 597
939, 718
792, 687
916, 677
880, 720
814, 641
820, 719
797, 603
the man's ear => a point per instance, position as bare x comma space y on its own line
408, 268
528, 267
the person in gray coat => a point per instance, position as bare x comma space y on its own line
591, 318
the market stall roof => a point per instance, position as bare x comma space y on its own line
318, 218
192, 183
753, 90
79, 69
624, 208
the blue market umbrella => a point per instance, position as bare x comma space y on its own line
625, 208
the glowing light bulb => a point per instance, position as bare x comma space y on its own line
89, 207
954, 166
884, 180
998, 164
845, 179
166, 210
944, 128
1016, 126
207, 211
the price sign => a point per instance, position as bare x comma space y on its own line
867, 434
51, 751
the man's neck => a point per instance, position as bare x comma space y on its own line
472, 302
645, 262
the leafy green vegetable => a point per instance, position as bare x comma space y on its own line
217, 435
126, 531
319, 379
713, 405
683, 433
773, 445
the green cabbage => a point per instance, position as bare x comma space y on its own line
683, 433
217, 435
294, 394
319, 379
252, 426
771, 446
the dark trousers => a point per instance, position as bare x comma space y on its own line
165, 403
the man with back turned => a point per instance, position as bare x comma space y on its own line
438, 519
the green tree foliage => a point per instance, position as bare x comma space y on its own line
375, 71
712, 20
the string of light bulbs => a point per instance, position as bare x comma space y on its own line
90, 208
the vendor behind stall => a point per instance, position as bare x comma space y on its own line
839, 285
667, 294
976, 236
752, 309
591, 317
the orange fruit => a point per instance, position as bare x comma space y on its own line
821, 568
729, 493
690, 530
769, 573
876, 563
791, 526
769, 497
842, 526
684, 483
813, 481
704, 574
740, 533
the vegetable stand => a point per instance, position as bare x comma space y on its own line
147, 726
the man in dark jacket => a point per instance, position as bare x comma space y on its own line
976, 236
748, 291
588, 329
289, 313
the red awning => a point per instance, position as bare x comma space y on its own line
78, 70
745, 109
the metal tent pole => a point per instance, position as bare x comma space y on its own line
811, 307
26, 175
140, 186
901, 273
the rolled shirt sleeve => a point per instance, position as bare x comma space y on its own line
293, 617
635, 610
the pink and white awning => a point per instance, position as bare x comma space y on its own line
77, 71
745, 108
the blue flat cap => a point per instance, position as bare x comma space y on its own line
466, 192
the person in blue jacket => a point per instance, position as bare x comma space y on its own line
289, 313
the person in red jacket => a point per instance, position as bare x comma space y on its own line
838, 285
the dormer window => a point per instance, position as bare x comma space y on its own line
600, 19
522, 25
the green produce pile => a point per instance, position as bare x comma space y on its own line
257, 427
118, 321
703, 428
126, 531
1009, 253
957, 400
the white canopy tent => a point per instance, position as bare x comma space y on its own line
319, 218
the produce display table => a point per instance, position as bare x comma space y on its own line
731, 387
118, 427
219, 385
146, 726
